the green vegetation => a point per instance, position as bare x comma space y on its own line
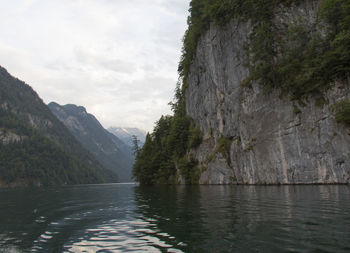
189, 169
205, 12
342, 112
296, 109
37, 159
223, 147
302, 62
249, 147
164, 153
312, 61
46, 154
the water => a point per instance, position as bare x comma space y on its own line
121, 217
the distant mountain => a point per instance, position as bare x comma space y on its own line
112, 153
125, 134
35, 147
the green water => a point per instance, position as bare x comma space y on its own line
122, 217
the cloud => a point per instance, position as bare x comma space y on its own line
102, 60
117, 58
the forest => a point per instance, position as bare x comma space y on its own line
45, 153
304, 61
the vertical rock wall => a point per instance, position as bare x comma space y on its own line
269, 141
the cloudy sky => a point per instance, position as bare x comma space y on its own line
117, 58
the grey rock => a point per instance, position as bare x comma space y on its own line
7, 137
271, 144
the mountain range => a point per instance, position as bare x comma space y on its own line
126, 135
107, 148
35, 147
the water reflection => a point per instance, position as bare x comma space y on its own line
121, 229
121, 218
175, 211
251, 218
120, 236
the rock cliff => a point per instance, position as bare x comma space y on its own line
268, 138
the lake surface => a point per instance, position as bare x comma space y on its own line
126, 217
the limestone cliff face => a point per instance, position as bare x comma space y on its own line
269, 142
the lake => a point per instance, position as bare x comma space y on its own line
127, 217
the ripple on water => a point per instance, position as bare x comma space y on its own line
200, 219
129, 235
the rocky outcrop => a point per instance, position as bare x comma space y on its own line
272, 139
7, 137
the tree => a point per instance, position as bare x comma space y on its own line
135, 147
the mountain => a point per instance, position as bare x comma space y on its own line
126, 134
35, 147
266, 84
108, 149
275, 113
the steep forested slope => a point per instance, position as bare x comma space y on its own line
106, 148
35, 147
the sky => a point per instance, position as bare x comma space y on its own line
117, 58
